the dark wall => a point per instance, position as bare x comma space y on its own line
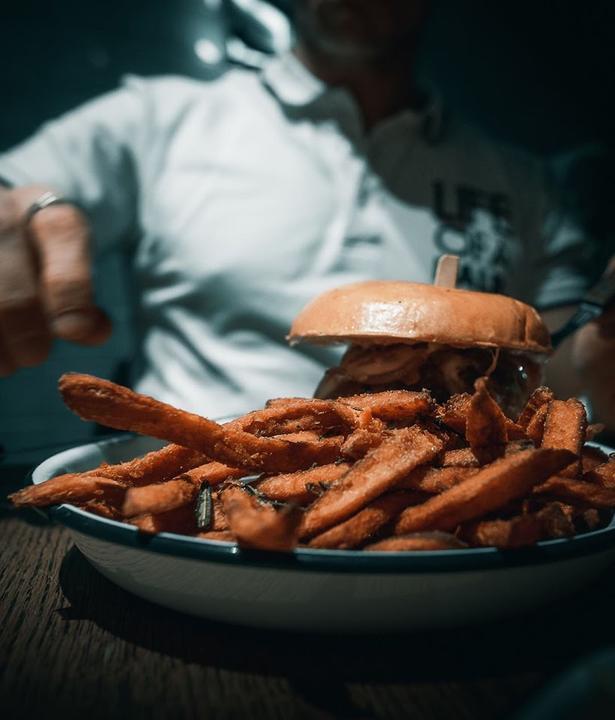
56, 55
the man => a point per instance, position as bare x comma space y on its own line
251, 194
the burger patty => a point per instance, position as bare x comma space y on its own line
443, 370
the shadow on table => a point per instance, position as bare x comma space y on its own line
540, 642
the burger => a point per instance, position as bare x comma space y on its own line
405, 335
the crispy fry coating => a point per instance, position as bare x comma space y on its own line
493, 487
69, 489
361, 527
536, 426
302, 414
180, 520
259, 526
434, 480
155, 466
454, 412
485, 425
159, 497
603, 474
460, 457
360, 442
213, 473
552, 521
102, 507
118, 407
565, 427
434, 540
577, 492
303, 486
540, 397
379, 471
392, 405
516, 532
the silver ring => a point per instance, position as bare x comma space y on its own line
47, 199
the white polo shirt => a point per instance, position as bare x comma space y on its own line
251, 194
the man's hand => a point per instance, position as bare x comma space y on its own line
45, 280
584, 363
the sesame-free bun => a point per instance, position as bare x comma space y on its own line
385, 312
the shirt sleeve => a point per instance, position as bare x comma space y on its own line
561, 259
88, 155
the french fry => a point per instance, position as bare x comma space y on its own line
454, 412
392, 405
361, 527
118, 407
485, 425
565, 427
553, 520
516, 532
213, 473
493, 487
69, 489
434, 480
603, 474
303, 414
159, 497
540, 397
360, 442
103, 508
379, 471
156, 466
577, 492
536, 425
259, 526
303, 486
218, 535
460, 457
180, 520
435, 540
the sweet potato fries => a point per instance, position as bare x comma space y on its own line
389, 471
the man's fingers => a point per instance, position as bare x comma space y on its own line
24, 335
87, 327
60, 235
7, 365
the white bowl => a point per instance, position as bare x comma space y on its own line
324, 590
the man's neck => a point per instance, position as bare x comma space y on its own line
382, 87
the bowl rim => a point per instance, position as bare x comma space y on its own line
310, 559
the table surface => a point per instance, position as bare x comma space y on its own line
74, 645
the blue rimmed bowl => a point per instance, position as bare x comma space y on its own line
320, 590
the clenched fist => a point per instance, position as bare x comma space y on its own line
45, 280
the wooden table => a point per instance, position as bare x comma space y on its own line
73, 645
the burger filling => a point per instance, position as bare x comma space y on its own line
443, 370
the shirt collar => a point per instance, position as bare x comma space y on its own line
290, 81
294, 85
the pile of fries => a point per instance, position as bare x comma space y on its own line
381, 471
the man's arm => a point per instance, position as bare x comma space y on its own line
87, 156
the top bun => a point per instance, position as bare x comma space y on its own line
386, 312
